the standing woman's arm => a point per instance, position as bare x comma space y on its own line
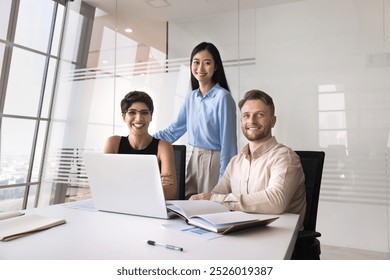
176, 129
227, 131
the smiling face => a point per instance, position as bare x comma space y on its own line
257, 121
138, 118
203, 66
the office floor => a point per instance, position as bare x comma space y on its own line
340, 253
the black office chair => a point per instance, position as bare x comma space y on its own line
307, 246
180, 167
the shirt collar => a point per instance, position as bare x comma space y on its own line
213, 91
261, 150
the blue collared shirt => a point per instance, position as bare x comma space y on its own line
210, 121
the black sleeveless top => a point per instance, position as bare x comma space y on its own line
126, 148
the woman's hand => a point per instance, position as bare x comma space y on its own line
167, 180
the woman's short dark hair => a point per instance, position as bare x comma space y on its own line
219, 74
256, 94
136, 96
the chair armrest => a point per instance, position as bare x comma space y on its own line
306, 234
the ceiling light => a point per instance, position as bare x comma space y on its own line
128, 30
158, 3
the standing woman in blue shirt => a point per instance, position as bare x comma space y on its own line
209, 117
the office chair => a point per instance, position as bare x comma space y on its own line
180, 167
307, 246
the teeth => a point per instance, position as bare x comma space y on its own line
253, 128
138, 125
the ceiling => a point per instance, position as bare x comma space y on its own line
148, 18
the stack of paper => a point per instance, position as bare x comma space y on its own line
16, 224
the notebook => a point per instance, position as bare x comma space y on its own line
127, 184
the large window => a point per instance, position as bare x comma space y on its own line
29, 41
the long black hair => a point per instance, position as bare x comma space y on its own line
219, 74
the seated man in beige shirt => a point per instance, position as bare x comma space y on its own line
266, 177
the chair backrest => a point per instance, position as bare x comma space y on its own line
312, 164
180, 166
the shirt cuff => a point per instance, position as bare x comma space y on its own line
223, 198
220, 198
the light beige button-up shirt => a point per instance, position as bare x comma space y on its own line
271, 182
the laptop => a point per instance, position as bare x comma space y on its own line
127, 184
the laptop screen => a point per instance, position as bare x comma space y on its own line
126, 183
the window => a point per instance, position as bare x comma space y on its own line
28, 46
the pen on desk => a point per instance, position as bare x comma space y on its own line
172, 247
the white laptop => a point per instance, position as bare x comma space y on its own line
127, 184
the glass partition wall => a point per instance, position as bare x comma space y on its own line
328, 76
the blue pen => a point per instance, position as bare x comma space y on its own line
172, 247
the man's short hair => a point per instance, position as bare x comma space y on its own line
256, 94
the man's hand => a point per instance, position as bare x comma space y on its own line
201, 196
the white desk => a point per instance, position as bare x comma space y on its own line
99, 235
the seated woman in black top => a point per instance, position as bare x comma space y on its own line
137, 110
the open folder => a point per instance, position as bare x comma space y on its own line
215, 217
19, 225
